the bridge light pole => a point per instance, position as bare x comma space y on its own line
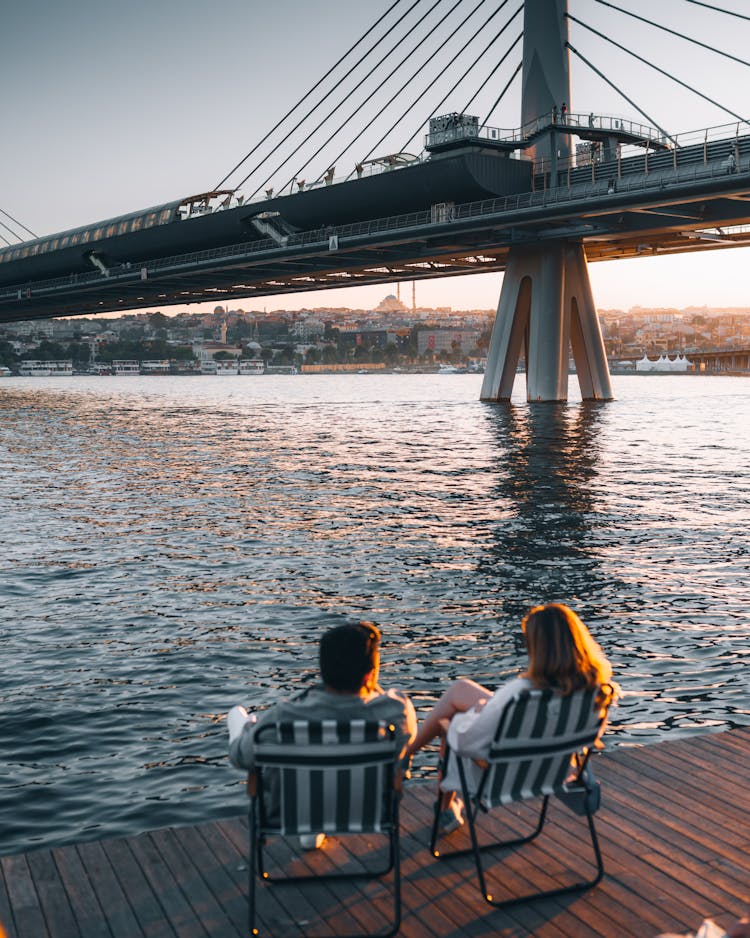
546, 305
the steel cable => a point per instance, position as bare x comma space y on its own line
19, 223
328, 94
502, 60
674, 32
502, 94
366, 101
446, 67
656, 68
619, 91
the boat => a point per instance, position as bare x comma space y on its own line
227, 366
45, 369
252, 366
5, 372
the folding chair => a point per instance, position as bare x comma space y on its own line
541, 739
325, 776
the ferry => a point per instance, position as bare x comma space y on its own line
5, 372
227, 367
124, 367
45, 369
252, 366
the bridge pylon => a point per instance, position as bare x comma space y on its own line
546, 303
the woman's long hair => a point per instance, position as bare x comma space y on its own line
563, 656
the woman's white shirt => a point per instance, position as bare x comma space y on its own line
471, 733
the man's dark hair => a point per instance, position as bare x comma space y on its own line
347, 654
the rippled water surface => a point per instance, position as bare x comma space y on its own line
170, 547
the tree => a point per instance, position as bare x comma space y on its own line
158, 321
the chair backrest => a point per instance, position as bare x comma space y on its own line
326, 775
537, 734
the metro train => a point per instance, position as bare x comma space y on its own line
217, 219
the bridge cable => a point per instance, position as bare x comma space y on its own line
620, 92
500, 96
341, 103
7, 227
383, 82
20, 224
450, 92
327, 95
484, 82
666, 29
445, 68
710, 6
2, 236
656, 68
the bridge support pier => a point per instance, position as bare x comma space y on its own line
546, 307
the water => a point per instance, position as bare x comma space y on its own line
169, 547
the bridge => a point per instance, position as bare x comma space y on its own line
537, 202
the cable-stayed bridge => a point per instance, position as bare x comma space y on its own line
536, 201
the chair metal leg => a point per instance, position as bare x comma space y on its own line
544, 894
251, 872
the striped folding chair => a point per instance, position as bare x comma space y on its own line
325, 776
542, 739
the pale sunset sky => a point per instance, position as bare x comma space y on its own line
110, 107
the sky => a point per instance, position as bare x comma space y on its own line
108, 107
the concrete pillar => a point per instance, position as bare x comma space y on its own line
546, 302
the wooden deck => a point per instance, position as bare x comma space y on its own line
674, 827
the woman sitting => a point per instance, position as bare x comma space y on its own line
563, 657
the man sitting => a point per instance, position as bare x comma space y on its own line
349, 667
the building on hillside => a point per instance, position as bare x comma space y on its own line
438, 340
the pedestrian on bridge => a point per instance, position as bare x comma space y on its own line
563, 112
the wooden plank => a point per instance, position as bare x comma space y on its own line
81, 895
145, 903
162, 882
53, 898
274, 916
119, 916
205, 907
27, 913
296, 902
6, 915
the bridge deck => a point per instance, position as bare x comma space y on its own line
674, 828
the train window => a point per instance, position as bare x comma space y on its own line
34, 249
96, 234
25, 252
53, 244
136, 223
150, 219
122, 227
75, 237
85, 236
110, 231
166, 215
64, 242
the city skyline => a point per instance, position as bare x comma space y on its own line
114, 113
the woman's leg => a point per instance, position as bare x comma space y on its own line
462, 695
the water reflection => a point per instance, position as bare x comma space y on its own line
545, 546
